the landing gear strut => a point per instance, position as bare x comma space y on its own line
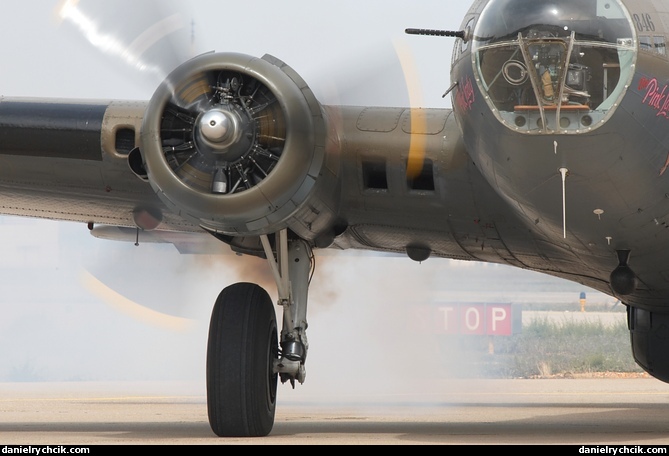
244, 360
292, 273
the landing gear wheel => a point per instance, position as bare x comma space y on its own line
242, 347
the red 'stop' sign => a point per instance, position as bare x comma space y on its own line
475, 319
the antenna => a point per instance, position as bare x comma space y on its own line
563, 172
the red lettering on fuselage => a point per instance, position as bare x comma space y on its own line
643, 83
465, 95
655, 97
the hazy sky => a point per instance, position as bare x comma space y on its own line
345, 38
59, 323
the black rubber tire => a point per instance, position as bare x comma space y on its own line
242, 347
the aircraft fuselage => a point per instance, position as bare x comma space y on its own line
564, 107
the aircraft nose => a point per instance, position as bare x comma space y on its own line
555, 66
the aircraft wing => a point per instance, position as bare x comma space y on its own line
68, 160
373, 178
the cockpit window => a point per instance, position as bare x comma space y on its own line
553, 66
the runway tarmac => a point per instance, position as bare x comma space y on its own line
452, 411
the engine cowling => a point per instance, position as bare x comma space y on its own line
234, 143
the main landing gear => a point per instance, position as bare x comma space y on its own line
244, 356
